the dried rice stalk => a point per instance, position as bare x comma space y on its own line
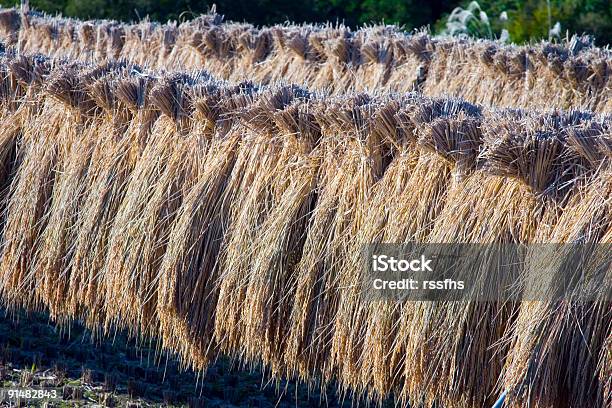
487, 209
278, 244
452, 133
325, 57
343, 188
51, 263
113, 161
153, 194
568, 335
186, 294
32, 188
262, 158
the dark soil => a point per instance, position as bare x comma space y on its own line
36, 353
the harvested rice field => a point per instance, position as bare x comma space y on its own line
304, 215
116, 372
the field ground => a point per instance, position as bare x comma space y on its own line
121, 373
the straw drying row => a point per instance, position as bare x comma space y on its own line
573, 74
230, 219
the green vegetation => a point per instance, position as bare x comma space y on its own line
533, 19
411, 13
526, 19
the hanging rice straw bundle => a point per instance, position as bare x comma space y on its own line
190, 48
339, 51
402, 158
10, 22
18, 102
260, 163
351, 161
574, 73
375, 62
556, 334
278, 244
292, 57
412, 56
51, 261
11, 125
368, 328
153, 194
138, 37
113, 160
216, 48
450, 129
522, 181
56, 127
253, 47
605, 371
187, 292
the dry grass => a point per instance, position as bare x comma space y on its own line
562, 336
231, 219
573, 74
119, 146
263, 161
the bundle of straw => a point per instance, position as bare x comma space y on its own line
279, 242
190, 266
153, 194
47, 146
556, 343
261, 180
118, 149
350, 164
223, 218
334, 58
487, 208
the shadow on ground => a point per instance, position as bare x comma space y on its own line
34, 352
